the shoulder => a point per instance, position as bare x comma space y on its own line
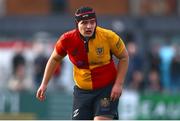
67, 36
70, 33
105, 32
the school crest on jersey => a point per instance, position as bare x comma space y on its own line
100, 51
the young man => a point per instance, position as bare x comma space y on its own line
98, 83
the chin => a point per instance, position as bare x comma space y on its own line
88, 35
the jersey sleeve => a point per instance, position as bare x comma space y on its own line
60, 46
116, 44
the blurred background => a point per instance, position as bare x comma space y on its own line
30, 28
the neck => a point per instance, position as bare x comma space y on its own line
87, 38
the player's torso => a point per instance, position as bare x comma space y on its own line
98, 54
93, 69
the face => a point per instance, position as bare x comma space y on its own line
87, 27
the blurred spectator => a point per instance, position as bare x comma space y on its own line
153, 83
153, 58
18, 59
19, 80
135, 73
175, 71
153, 75
166, 54
42, 48
40, 61
66, 79
137, 83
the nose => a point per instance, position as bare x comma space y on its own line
89, 25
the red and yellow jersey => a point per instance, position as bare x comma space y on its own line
93, 69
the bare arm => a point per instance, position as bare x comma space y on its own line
122, 67
122, 70
51, 65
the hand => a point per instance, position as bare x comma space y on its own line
116, 92
41, 93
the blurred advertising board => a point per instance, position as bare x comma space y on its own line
58, 106
149, 106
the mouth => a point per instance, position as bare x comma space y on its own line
88, 31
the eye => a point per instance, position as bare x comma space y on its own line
92, 21
84, 22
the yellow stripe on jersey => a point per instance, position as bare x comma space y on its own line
82, 78
101, 47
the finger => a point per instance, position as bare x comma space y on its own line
38, 94
113, 97
42, 93
42, 98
